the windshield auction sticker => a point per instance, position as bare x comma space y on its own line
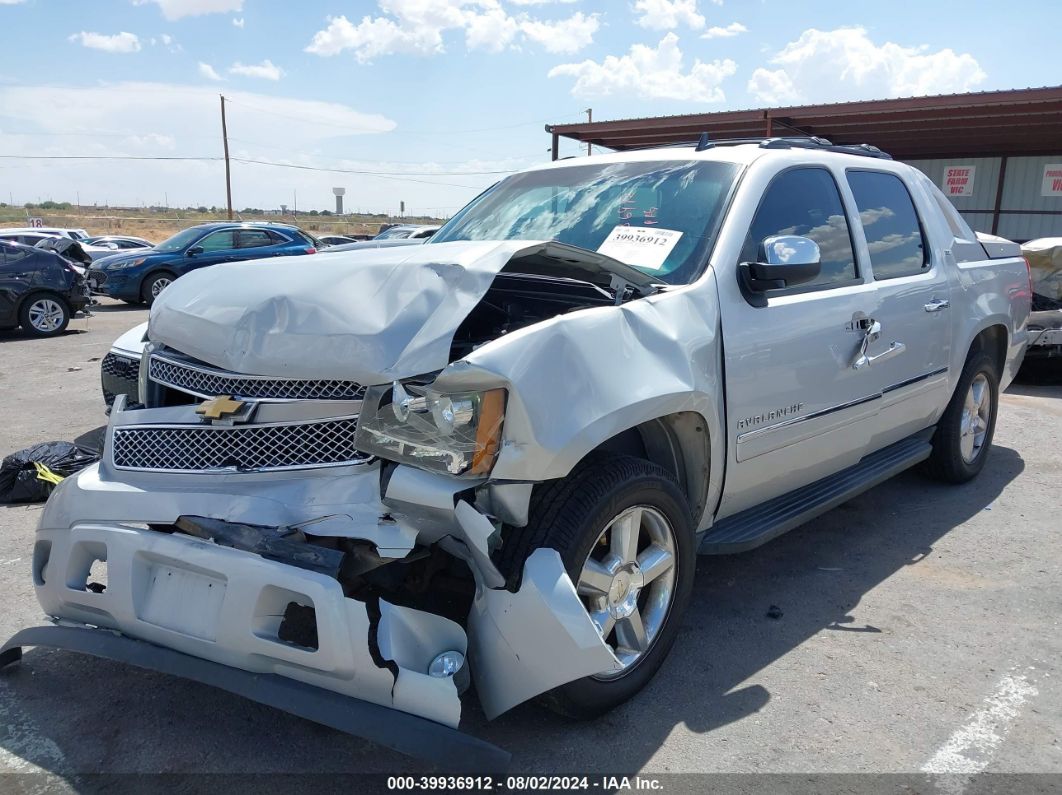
641, 246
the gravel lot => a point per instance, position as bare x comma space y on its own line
919, 631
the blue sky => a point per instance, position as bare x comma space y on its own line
438, 97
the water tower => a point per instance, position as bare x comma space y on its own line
339, 199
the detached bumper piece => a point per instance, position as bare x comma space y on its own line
400, 731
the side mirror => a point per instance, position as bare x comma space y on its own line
194, 250
786, 261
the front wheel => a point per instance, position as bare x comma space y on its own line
154, 285
624, 532
964, 433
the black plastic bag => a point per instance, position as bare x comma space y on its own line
30, 475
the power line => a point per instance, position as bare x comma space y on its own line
102, 157
321, 122
377, 173
380, 175
362, 172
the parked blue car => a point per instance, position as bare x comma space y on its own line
139, 276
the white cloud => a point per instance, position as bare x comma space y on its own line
567, 35
417, 27
238, 21
716, 32
844, 64
492, 31
668, 14
649, 73
540, 2
175, 9
266, 70
208, 71
119, 42
11, 2
180, 120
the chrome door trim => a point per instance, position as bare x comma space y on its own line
797, 420
753, 434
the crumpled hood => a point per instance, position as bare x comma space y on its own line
371, 316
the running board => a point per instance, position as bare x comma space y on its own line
758, 525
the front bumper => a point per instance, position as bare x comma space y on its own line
225, 605
123, 284
406, 734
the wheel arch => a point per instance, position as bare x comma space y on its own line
994, 340
680, 442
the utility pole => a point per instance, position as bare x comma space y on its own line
228, 173
589, 119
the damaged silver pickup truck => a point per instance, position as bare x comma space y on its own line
354, 488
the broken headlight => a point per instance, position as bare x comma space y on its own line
458, 433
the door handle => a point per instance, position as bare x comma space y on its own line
937, 304
872, 333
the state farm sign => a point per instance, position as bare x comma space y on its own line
1052, 184
958, 180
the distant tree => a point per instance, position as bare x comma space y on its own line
201, 209
314, 212
326, 212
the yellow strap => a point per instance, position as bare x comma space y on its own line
45, 474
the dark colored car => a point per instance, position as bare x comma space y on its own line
341, 240
39, 290
139, 276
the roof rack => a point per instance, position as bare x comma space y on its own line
795, 142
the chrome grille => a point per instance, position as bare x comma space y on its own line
205, 381
201, 448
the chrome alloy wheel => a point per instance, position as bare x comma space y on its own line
159, 285
976, 413
627, 583
46, 315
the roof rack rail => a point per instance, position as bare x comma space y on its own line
792, 142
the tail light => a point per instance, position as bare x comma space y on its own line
312, 250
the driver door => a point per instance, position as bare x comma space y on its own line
220, 246
796, 408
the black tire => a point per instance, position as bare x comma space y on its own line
569, 515
148, 292
30, 320
947, 462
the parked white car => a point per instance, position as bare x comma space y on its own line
73, 234
359, 481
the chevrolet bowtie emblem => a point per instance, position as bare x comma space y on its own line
218, 407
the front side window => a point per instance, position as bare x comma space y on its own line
179, 241
219, 241
806, 202
890, 223
658, 216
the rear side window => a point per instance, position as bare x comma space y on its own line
805, 202
254, 238
894, 235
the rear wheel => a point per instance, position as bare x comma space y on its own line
155, 284
44, 315
964, 434
624, 533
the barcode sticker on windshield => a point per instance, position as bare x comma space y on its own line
641, 246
